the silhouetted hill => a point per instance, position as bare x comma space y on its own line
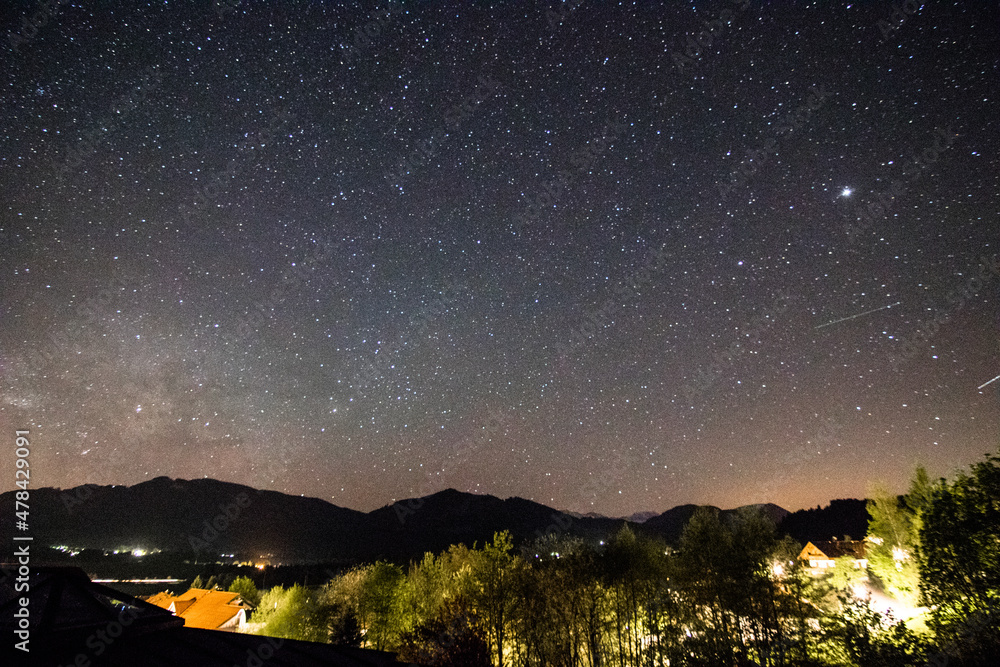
846, 516
206, 517
435, 522
588, 515
773, 512
670, 524
171, 514
637, 517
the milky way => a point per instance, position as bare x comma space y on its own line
578, 253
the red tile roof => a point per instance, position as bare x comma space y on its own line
202, 608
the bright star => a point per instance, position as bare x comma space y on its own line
846, 192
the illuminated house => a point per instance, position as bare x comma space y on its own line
822, 556
210, 610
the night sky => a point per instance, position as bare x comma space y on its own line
559, 251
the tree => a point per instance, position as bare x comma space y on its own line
219, 582
292, 613
728, 574
426, 588
845, 576
870, 639
959, 561
493, 570
893, 537
919, 497
758, 596
646, 605
247, 590
706, 552
380, 605
804, 601
344, 627
558, 617
342, 597
453, 638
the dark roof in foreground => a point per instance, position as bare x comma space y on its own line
74, 621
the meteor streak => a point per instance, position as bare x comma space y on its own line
989, 382
867, 312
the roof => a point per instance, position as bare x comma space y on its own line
64, 599
72, 617
201, 608
833, 549
159, 597
178, 606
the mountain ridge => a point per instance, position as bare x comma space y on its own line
207, 517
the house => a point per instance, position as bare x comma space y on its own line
74, 621
210, 610
822, 556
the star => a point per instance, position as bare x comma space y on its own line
288, 274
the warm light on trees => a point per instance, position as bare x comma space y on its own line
380, 605
893, 537
959, 561
732, 593
293, 613
493, 569
247, 590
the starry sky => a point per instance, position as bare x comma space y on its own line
608, 257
